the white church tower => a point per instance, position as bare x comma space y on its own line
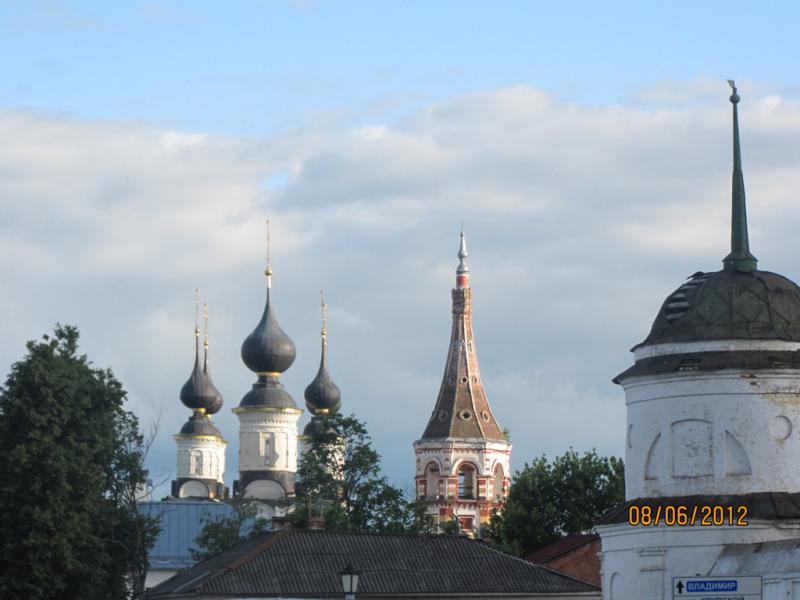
713, 411
201, 447
267, 414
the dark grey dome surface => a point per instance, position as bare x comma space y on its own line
729, 304
322, 393
199, 392
199, 424
268, 392
316, 426
268, 349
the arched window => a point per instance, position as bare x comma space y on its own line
431, 480
196, 466
498, 481
466, 482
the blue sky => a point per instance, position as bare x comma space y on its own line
254, 67
586, 146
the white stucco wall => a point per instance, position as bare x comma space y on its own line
268, 439
640, 562
723, 432
201, 457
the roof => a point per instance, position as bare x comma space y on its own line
729, 304
760, 505
765, 558
306, 563
462, 408
566, 544
747, 360
181, 522
200, 424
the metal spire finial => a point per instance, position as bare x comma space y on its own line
205, 336
462, 255
740, 258
268, 270
197, 312
324, 311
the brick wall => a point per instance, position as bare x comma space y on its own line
582, 562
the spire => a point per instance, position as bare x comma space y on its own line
740, 258
462, 272
196, 327
199, 393
268, 269
205, 337
323, 309
462, 408
322, 395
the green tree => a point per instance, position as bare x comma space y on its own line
548, 500
219, 534
339, 479
71, 469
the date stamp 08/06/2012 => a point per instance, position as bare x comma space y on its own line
704, 515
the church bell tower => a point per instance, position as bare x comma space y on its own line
463, 457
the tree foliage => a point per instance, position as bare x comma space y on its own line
219, 534
70, 473
548, 500
339, 479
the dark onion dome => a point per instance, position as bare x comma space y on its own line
200, 424
729, 305
322, 394
316, 426
199, 392
268, 392
268, 349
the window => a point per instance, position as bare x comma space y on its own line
196, 466
498, 481
466, 482
431, 480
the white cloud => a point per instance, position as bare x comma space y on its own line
580, 220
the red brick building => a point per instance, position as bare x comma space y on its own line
576, 555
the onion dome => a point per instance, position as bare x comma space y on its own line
738, 302
268, 350
322, 395
200, 424
316, 426
199, 392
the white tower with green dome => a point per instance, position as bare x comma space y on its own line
713, 427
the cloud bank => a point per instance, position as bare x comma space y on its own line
580, 220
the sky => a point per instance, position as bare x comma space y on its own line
585, 147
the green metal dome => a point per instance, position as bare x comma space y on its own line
739, 302
729, 305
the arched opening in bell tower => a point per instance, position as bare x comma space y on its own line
432, 474
466, 482
498, 481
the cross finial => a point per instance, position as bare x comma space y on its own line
324, 311
197, 313
268, 270
205, 325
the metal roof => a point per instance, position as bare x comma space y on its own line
181, 522
307, 563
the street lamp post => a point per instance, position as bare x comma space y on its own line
349, 582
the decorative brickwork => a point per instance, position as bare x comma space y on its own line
463, 460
